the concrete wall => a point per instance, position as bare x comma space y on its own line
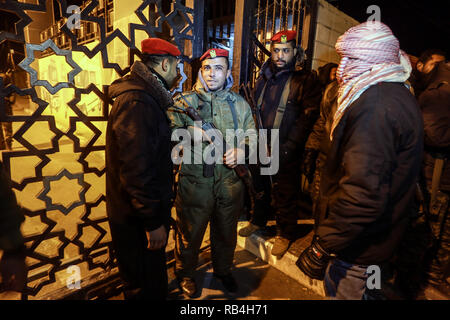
331, 23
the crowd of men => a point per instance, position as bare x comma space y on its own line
355, 131
370, 135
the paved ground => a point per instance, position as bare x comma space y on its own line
257, 280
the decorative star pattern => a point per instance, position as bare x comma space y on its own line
49, 205
97, 253
25, 65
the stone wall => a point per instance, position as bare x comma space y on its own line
331, 23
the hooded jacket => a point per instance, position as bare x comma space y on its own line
139, 170
214, 107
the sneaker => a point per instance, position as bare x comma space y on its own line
187, 286
280, 246
248, 230
228, 282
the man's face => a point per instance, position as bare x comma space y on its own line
172, 71
282, 54
215, 72
429, 65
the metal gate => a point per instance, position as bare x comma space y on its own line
261, 19
70, 55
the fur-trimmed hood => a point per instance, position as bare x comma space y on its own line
142, 79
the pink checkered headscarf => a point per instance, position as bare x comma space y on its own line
370, 54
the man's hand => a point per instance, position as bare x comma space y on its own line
13, 271
157, 238
233, 157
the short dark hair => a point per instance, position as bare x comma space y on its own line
154, 60
427, 54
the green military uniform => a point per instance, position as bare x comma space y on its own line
218, 199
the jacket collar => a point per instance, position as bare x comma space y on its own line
269, 70
154, 83
441, 75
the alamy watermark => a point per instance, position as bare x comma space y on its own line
74, 280
375, 13
191, 149
74, 20
374, 277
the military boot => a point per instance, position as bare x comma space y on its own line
280, 246
248, 229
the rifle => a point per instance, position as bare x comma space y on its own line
240, 169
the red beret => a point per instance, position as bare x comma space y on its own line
214, 53
284, 36
158, 46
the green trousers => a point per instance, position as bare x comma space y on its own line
218, 200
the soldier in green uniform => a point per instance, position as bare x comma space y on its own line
211, 193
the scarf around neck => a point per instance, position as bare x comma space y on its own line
370, 54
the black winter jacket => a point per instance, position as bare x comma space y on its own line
302, 109
139, 170
368, 181
322, 127
435, 105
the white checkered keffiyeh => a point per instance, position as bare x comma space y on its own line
370, 54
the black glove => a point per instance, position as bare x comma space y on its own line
314, 260
308, 166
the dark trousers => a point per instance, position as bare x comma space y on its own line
143, 271
280, 198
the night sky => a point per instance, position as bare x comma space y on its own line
419, 25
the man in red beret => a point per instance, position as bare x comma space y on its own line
211, 193
139, 177
288, 101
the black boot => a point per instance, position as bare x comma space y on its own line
228, 282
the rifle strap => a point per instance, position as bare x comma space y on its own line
281, 108
235, 120
282, 104
261, 96
233, 113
